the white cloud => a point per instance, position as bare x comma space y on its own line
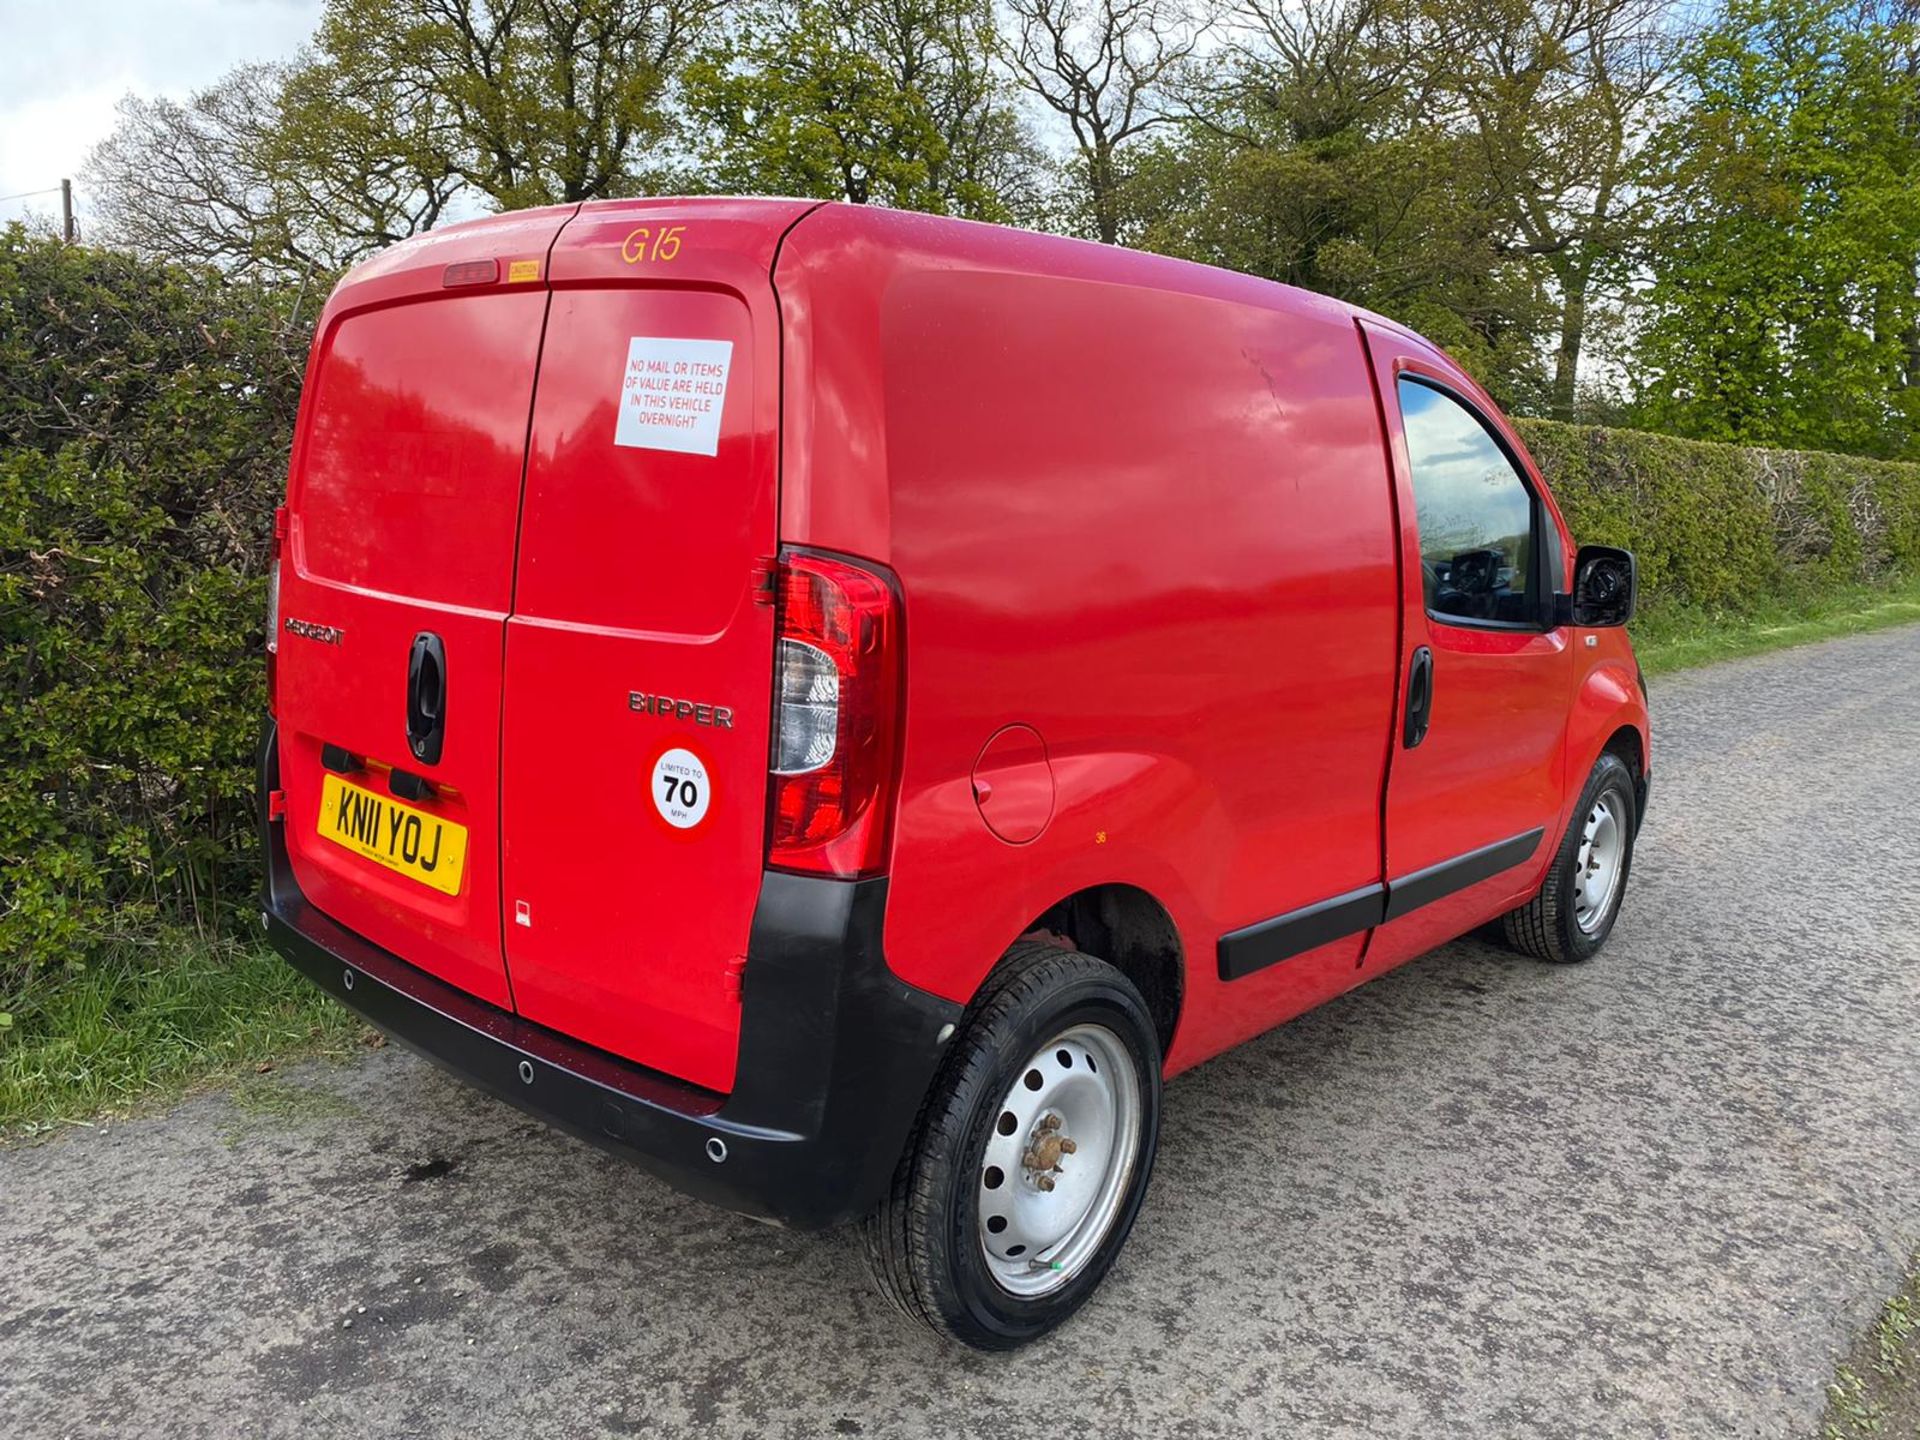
66, 63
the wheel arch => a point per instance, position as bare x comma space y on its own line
1132, 931
1609, 714
1631, 746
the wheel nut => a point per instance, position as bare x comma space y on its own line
1043, 1182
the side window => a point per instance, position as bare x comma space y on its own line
1475, 513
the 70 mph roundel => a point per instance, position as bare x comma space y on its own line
681, 788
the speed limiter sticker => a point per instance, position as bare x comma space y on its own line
681, 788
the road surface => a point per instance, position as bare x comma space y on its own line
1652, 1196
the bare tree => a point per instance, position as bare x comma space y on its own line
1101, 65
1325, 65
207, 180
400, 110
270, 171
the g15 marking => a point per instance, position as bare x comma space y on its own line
647, 243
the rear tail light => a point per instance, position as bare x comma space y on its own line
836, 719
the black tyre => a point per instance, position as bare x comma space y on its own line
1031, 1154
1573, 913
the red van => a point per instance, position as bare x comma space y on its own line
837, 705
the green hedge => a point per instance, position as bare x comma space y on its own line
145, 413
1728, 529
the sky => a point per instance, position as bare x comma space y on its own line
65, 64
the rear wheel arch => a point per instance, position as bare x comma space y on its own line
1130, 930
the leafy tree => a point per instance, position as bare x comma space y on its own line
1783, 305
1507, 175
1310, 154
894, 102
527, 102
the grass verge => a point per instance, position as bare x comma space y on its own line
1681, 639
150, 1021
1876, 1389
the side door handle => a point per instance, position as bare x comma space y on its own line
426, 697
1419, 697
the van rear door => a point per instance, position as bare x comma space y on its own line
639, 653
396, 578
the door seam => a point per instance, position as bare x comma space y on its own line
1396, 710
513, 605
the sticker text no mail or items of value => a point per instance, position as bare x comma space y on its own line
672, 394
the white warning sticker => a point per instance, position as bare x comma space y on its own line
672, 393
681, 790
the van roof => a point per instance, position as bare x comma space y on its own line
1017, 248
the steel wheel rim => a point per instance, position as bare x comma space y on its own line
1036, 1239
1599, 865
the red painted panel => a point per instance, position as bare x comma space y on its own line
1606, 698
1139, 506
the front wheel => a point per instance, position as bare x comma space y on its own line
1031, 1155
1573, 913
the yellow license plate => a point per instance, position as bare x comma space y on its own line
418, 845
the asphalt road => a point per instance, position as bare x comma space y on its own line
1655, 1195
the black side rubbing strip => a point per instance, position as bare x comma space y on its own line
1254, 947
1436, 882
1241, 952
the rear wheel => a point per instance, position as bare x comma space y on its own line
1031, 1155
1573, 913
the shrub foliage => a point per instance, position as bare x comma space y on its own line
145, 416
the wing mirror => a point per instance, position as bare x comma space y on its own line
1606, 585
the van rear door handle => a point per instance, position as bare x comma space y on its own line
426, 697
1419, 697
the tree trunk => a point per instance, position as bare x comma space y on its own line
1566, 360
1106, 194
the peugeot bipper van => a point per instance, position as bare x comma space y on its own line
839, 705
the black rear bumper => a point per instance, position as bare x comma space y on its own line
836, 1053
